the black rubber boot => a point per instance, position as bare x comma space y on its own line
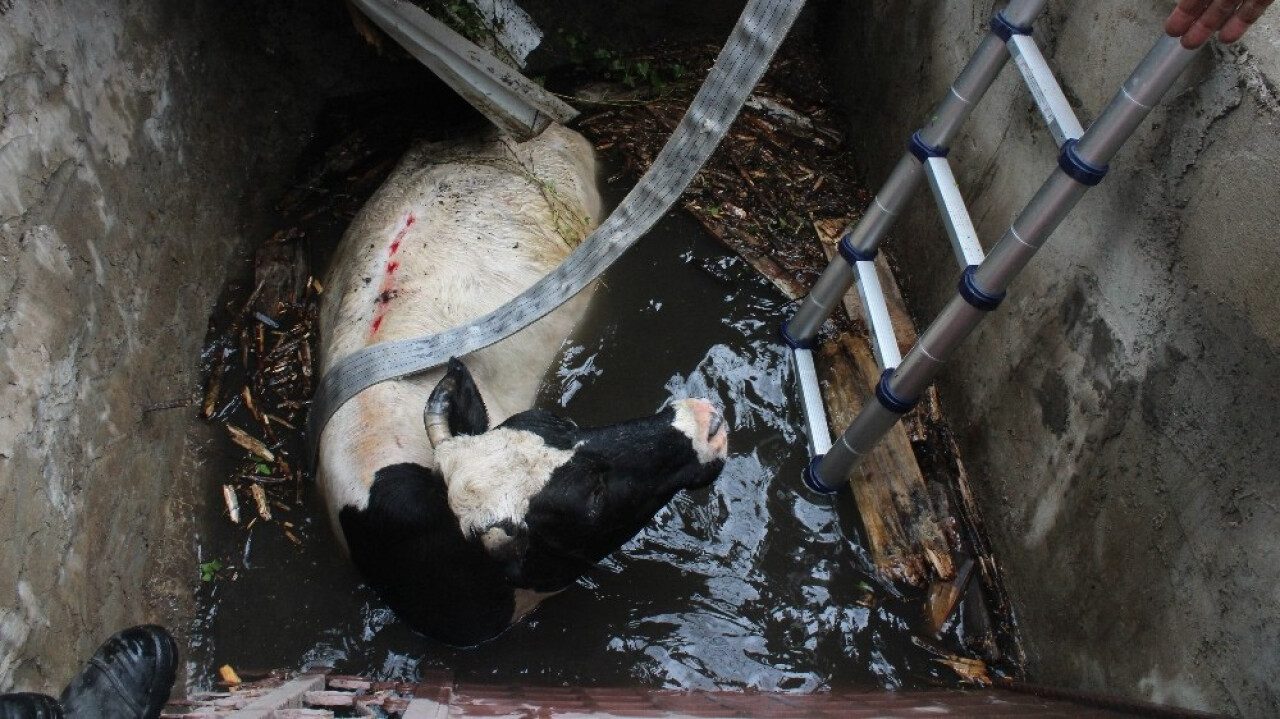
129, 677
29, 706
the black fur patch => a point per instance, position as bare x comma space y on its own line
556, 431
410, 549
467, 413
619, 477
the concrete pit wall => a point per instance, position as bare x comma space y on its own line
1119, 414
141, 145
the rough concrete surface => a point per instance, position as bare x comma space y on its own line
1119, 414
140, 144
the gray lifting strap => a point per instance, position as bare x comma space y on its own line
743, 60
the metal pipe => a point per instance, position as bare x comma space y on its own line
1080, 166
970, 85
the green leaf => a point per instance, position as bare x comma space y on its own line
210, 569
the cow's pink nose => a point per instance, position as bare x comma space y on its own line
711, 430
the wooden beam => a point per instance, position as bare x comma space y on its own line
903, 527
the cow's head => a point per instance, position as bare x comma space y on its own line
549, 498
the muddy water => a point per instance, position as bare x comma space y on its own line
750, 583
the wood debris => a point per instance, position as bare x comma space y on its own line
260, 498
232, 502
970, 671
253, 444
781, 167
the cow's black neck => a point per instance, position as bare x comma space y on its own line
409, 547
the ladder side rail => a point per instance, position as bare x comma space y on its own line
1045, 89
1081, 165
955, 214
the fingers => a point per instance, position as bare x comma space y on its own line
1247, 15
1184, 16
1209, 22
1195, 21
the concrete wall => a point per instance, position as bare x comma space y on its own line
140, 147
1119, 414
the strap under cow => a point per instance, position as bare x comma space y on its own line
743, 60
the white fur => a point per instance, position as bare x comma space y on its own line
483, 231
493, 476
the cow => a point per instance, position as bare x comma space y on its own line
462, 508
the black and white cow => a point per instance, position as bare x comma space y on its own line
462, 511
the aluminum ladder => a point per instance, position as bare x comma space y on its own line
1082, 163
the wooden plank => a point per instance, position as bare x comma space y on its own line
420, 708
329, 699
903, 527
289, 695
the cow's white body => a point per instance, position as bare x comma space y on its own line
455, 232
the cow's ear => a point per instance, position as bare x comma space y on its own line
467, 413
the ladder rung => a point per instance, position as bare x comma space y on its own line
955, 214
1045, 89
811, 398
876, 310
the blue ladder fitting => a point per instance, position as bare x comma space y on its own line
793, 342
923, 150
1076, 168
974, 295
1004, 29
811, 478
889, 400
852, 254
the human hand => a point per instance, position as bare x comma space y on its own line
1196, 20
